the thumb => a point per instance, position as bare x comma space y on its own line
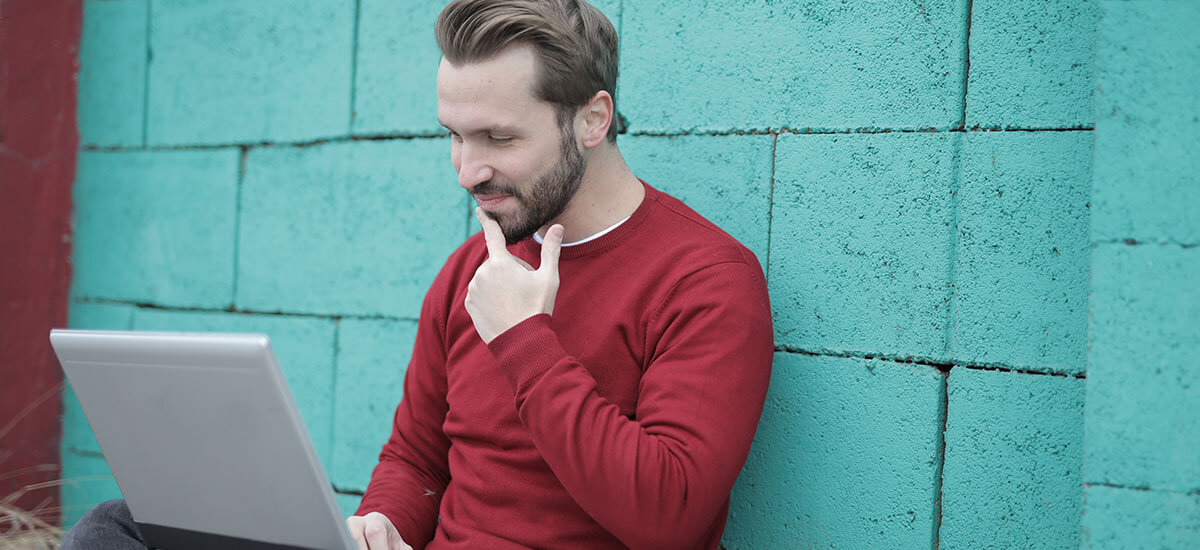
551, 246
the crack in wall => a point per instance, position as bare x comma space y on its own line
146, 79
938, 479
237, 225
347, 491
771, 209
941, 365
682, 133
1195, 493
240, 311
354, 64
1135, 242
966, 65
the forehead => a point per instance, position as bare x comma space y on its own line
496, 91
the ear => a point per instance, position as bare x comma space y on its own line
596, 116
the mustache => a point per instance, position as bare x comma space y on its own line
493, 188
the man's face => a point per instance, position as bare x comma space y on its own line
508, 147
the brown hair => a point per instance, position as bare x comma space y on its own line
576, 44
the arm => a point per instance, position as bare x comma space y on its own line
407, 484
659, 480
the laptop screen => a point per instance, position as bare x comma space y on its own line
203, 438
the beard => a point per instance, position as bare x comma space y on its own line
546, 198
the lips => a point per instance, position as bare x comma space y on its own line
491, 202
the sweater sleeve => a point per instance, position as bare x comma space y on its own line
413, 470
658, 480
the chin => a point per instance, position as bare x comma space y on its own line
514, 229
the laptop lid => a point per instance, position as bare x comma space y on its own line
203, 438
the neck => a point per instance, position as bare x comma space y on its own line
608, 194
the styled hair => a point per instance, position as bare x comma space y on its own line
576, 46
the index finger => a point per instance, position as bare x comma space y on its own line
492, 234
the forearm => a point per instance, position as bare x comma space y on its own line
409, 499
413, 472
656, 482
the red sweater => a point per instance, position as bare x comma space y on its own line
623, 420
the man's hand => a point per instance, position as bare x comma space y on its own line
375, 531
505, 289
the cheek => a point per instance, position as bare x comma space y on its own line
536, 162
510, 167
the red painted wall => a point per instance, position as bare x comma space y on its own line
39, 43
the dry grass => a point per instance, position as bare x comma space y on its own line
27, 529
22, 530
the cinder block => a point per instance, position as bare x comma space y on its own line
1116, 518
1142, 426
753, 64
347, 228
156, 226
1022, 278
1032, 64
86, 482
395, 83
861, 241
1147, 123
303, 346
112, 73
348, 503
100, 316
1014, 445
372, 358
227, 71
845, 457
727, 179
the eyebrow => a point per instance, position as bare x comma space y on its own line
503, 130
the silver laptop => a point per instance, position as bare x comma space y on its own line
203, 438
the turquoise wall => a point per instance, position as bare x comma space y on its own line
915, 177
1141, 453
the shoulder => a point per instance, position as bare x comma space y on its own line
684, 260
689, 240
706, 283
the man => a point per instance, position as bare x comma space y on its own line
590, 369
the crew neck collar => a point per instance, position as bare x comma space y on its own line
595, 236
607, 240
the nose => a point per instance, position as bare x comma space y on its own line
473, 168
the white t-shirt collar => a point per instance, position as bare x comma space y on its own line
595, 236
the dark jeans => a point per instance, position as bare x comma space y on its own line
107, 526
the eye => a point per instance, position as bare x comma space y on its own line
454, 136
499, 139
